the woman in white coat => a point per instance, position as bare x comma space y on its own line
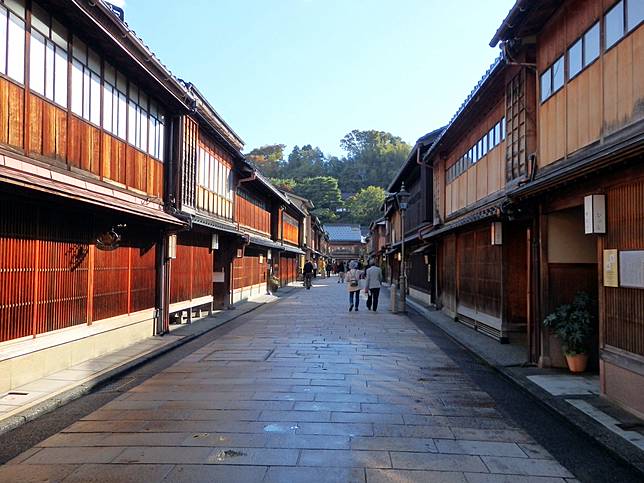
353, 277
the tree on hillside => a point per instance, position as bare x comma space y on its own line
323, 191
305, 162
285, 184
364, 206
373, 157
269, 159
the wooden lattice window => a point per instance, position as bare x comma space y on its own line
516, 156
189, 162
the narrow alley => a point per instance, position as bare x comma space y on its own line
303, 390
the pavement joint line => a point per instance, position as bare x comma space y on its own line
59, 398
624, 450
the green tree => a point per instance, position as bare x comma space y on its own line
373, 157
324, 192
364, 206
304, 162
285, 184
269, 159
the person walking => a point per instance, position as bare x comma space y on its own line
340, 271
308, 274
353, 285
322, 268
315, 269
374, 281
328, 269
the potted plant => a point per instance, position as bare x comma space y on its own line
274, 283
573, 326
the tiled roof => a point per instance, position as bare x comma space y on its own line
344, 232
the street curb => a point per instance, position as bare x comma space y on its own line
620, 449
87, 387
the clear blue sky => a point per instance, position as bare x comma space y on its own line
309, 71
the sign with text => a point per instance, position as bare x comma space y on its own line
611, 275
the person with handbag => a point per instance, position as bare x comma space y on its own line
353, 285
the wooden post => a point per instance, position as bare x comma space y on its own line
90, 283
543, 296
36, 286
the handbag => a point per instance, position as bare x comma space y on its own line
354, 282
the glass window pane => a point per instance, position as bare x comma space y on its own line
60, 68
574, 59
614, 24
152, 135
115, 111
95, 108
634, 13
138, 128
77, 87
37, 63
591, 44
109, 74
93, 61
122, 119
79, 50
161, 141
143, 100
59, 34
134, 93
503, 128
497, 133
484, 145
39, 19
107, 107
131, 122
16, 60
558, 74
546, 85
121, 82
144, 130
3, 40
49, 71
18, 6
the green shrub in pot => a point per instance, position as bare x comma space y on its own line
573, 324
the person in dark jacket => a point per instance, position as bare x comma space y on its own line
340, 271
308, 274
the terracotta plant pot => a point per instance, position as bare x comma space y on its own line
577, 362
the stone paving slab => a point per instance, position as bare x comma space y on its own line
47, 393
300, 394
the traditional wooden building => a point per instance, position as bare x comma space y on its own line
377, 240
420, 255
481, 250
259, 207
85, 110
345, 242
584, 186
203, 176
289, 234
308, 235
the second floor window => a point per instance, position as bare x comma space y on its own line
214, 175
48, 57
114, 102
128, 112
12, 41
552, 79
86, 82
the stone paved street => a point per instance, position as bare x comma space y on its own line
302, 391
